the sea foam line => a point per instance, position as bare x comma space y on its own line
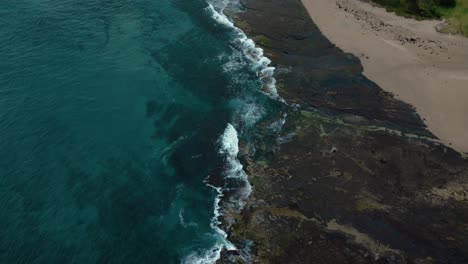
213, 254
229, 141
229, 147
258, 62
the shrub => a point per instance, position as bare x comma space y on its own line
417, 8
446, 3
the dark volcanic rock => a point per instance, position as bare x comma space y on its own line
382, 189
313, 72
360, 179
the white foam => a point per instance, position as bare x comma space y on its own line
208, 257
229, 147
220, 17
229, 141
250, 113
182, 220
211, 255
235, 62
258, 62
278, 125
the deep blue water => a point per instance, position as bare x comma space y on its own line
111, 117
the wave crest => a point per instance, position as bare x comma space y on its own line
257, 60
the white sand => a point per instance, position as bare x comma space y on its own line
409, 58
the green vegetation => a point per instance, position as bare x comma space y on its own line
457, 18
455, 11
420, 9
263, 41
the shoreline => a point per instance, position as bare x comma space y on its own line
232, 183
354, 176
406, 57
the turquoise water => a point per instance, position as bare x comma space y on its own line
112, 118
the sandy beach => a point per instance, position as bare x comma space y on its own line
409, 58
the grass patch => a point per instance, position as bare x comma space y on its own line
419, 9
454, 11
457, 18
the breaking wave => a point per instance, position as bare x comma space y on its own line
257, 61
236, 182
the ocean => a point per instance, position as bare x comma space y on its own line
116, 115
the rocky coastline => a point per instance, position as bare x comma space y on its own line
356, 177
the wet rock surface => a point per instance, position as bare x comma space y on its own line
312, 72
355, 176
